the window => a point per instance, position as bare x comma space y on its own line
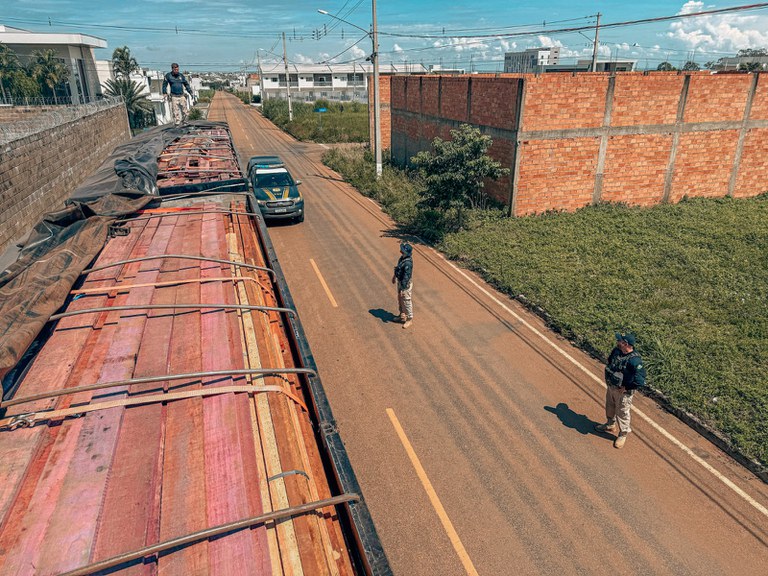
274, 180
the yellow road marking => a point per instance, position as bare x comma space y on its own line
438, 506
325, 286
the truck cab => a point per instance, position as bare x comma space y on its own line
277, 193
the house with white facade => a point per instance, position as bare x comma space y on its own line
338, 82
75, 51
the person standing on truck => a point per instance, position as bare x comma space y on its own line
624, 373
403, 277
178, 83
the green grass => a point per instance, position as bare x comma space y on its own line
341, 123
690, 279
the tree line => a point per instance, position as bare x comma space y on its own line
44, 76
746, 66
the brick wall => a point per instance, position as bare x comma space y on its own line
576, 139
40, 170
17, 113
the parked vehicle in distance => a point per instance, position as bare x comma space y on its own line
276, 192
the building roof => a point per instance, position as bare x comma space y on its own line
17, 36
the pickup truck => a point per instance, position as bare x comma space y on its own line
277, 193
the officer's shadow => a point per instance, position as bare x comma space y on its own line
384, 315
571, 419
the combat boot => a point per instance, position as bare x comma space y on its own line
609, 428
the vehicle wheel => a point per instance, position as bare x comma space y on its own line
300, 218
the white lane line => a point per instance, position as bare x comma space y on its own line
747, 498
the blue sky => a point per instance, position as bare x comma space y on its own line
228, 34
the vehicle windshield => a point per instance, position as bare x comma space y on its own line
274, 180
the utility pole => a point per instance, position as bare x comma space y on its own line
261, 79
597, 42
376, 97
287, 81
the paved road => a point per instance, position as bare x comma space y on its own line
471, 432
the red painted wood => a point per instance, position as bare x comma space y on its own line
226, 485
71, 530
182, 507
130, 513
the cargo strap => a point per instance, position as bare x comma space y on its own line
124, 287
179, 543
31, 418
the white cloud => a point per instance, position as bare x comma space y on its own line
724, 32
461, 44
357, 52
547, 42
397, 48
302, 59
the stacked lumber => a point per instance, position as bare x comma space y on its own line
160, 460
199, 156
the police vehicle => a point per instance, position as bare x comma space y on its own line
277, 193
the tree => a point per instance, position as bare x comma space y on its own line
22, 85
9, 63
49, 70
691, 66
123, 63
666, 67
140, 110
454, 171
751, 66
751, 52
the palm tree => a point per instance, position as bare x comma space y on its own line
49, 70
9, 63
138, 106
123, 63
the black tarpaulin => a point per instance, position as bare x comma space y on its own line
63, 243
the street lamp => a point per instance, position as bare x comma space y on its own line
376, 99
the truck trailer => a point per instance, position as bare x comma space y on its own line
162, 412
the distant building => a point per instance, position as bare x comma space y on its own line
531, 60
75, 51
438, 69
339, 82
610, 65
733, 63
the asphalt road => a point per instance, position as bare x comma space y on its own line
471, 432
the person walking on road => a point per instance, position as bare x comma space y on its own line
403, 277
178, 84
624, 373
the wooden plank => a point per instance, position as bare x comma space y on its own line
70, 355
71, 530
183, 506
226, 484
130, 514
302, 422
316, 546
283, 533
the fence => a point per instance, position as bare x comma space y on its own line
56, 117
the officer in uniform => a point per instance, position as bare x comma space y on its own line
178, 83
624, 374
403, 278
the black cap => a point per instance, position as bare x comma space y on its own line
627, 337
406, 248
